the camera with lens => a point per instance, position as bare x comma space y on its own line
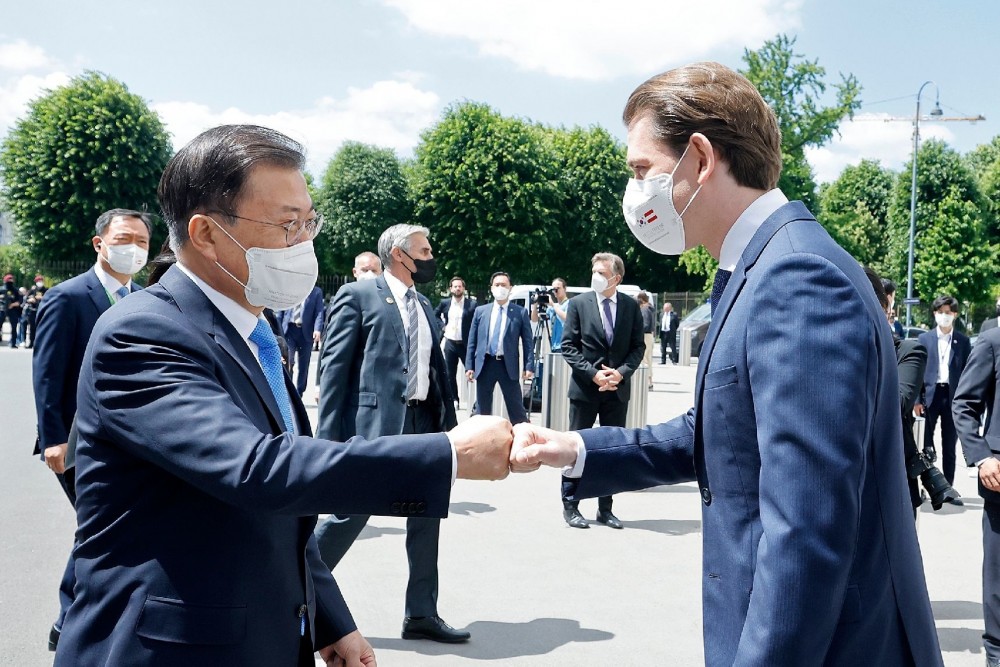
542, 297
921, 465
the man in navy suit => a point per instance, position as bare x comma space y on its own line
197, 479
947, 353
803, 500
63, 326
603, 343
978, 395
492, 355
456, 314
384, 374
302, 325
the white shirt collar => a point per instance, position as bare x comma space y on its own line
110, 283
941, 334
396, 286
746, 226
601, 297
242, 319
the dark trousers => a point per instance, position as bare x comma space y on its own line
67, 481
940, 408
991, 579
299, 352
668, 339
335, 535
14, 318
28, 329
494, 372
583, 414
454, 351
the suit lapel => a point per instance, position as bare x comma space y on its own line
392, 311
98, 295
203, 313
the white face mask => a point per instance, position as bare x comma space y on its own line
279, 278
500, 293
598, 283
648, 206
943, 319
127, 259
367, 275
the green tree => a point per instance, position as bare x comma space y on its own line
951, 251
984, 162
82, 148
362, 192
855, 210
793, 86
488, 189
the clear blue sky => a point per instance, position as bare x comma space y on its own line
381, 71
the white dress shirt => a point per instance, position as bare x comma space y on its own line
453, 330
111, 284
496, 311
944, 354
736, 241
614, 307
423, 369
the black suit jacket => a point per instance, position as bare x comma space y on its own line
975, 396
362, 383
585, 347
960, 349
468, 310
63, 325
196, 508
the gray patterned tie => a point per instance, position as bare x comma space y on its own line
412, 346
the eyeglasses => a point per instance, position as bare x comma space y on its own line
295, 231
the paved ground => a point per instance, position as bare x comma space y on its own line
531, 590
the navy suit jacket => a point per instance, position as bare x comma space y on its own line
362, 382
975, 396
65, 319
586, 349
810, 554
518, 328
960, 350
313, 315
196, 509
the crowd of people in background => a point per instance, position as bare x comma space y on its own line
19, 308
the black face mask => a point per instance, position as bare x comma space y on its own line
424, 269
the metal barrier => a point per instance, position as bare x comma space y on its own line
555, 392
638, 401
684, 337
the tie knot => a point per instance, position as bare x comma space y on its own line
262, 335
122, 292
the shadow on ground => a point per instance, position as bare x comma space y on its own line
959, 640
665, 526
370, 532
468, 509
492, 640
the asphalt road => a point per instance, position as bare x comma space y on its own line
531, 590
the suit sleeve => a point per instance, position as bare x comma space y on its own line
440, 311
911, 367
572, 341
470, 353
527, 349
320, 312
975, 392
333, 617
343, 331
808, 538
148, 374
636, 343
55, 333
925, 342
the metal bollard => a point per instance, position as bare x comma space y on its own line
555, 392
638, 402
684, 335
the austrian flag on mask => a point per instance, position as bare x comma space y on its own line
647, 217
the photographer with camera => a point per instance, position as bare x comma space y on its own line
549, 306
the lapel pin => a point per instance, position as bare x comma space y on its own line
388, 299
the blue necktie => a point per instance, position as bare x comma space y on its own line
609, 328
270, 362
122, 292
412, 344
495, 336
719, 286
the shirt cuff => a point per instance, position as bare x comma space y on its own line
575, 471
982, 461
454, 460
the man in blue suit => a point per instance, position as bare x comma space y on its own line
384, 374
197, 481
302, 325
948, 351
64, 322
810, 555
492, 357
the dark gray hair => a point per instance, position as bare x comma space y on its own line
210, 173
104, 220
397, 236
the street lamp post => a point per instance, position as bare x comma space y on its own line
913, 195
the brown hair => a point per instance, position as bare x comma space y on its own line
723, 105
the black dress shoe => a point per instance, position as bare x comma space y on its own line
609, 519
53, 638
956, 501
433, 628
575, 519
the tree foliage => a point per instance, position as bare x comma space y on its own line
855, 210
362, 192
793, 86
82, 149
